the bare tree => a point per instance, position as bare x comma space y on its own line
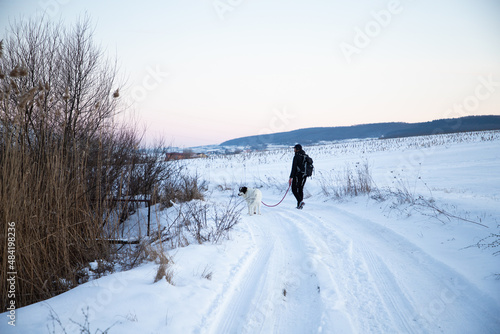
69, 87
87, 81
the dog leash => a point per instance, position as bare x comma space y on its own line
271, 206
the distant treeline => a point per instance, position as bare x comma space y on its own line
377, 130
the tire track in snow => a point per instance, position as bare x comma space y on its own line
231, 305
419, 293
400, 308
315, 273
264, 313
298, 278
253, 299
366, 288
345, 285
443, 300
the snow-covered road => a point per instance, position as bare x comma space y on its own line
274, 290
327, 270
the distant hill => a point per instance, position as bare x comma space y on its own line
377, 130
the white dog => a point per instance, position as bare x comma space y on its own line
252, 197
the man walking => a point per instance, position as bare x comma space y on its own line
298, 176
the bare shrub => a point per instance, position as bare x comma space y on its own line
403, 191
196, 220
209, 221
225, 218
182, 188
82, 328
199, 221
349, 182
406, 199
207, 273
492, 241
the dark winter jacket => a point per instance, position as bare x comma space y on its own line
298, 164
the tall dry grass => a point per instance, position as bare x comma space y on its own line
62, 159
56, 230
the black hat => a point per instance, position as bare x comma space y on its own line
298, 147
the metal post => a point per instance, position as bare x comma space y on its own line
149, 214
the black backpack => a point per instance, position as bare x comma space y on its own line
308, 168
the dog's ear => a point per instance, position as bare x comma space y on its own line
243, 190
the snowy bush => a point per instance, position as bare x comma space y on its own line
198, 222
348, 182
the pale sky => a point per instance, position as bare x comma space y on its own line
202, 72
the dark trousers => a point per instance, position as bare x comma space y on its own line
298, 183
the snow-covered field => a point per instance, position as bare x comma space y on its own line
366, 264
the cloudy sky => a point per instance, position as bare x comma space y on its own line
204, 71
